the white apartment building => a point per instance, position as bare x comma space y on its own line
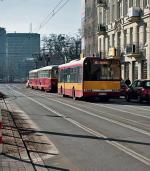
123, 32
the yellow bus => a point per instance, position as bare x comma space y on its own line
90, 77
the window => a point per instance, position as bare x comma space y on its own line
108, 16
101, 70
145, 3
54, 73
144, 69
147, 84
139, 84
137, 3
125, 8
125, 38
71, 75
119, 10
113, 12
131, 35
134, 84
130, 3
113, 39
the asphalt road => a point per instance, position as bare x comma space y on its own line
90, 136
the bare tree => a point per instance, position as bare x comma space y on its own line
61, 48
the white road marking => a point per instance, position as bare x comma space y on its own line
135, 114
127, 150
107, 119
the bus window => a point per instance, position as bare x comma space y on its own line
54, 73
101, 70
86, 71
115, 71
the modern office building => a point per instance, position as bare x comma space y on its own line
20, 51
2, 54
89, 27
123, 32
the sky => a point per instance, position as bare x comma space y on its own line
18, 16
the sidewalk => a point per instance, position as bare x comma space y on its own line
14, 156
24, 148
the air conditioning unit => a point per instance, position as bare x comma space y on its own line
134, 12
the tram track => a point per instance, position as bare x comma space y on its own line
119, 146
104, 114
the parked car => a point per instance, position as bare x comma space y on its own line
139, 90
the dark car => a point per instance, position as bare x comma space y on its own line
139, 90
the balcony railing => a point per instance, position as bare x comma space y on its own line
101, 3
132, 50
101, 29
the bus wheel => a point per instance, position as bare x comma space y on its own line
74, 94
61, 92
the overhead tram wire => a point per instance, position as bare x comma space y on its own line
56, 9
59, 5
53, 13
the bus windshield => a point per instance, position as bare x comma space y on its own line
101, 70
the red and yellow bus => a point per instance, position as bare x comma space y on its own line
48, 78
45, 78
33, 78
90, 77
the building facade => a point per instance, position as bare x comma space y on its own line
89, 27
123, 32
2, 54
20, 51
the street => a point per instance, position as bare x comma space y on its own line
89, 136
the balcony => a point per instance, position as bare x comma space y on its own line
134, 14
101, 3
101, 29
132, 50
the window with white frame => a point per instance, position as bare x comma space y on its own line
137, 3
145, 3
125, 38
113, 12
125, 9
130, 3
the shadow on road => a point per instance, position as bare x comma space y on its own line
92, 137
